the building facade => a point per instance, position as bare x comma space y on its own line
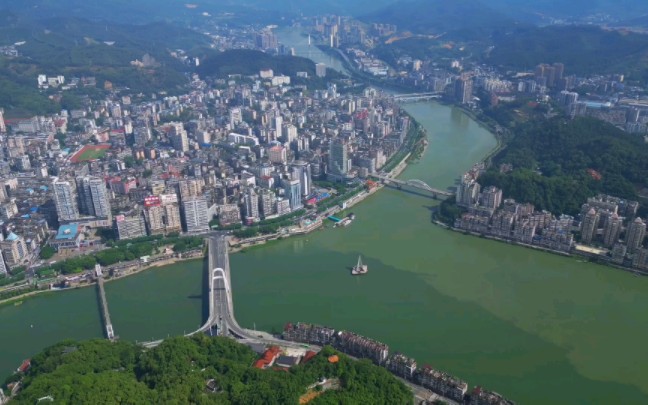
65, 200
196, 215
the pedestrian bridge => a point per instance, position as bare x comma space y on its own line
110, 332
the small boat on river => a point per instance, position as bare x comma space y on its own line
359, 268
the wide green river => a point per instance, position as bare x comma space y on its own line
535, 327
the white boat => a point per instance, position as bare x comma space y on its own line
359, 268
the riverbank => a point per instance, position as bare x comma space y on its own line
504, 240
579, 253
126, 270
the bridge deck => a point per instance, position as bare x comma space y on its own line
110, 332
415, 184
221, 308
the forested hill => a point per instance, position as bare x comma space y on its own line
553, 162
177, 371
248, 62
458, 19
583, 49
76, 47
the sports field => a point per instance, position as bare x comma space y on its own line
90, 152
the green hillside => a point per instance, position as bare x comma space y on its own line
76, 47
459, 19
551, 161
177, 372
248, 62
583, 50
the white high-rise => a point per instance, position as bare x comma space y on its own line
278, 122
196, 215
179, 137
65, 200
302, 171
251, 204
3, 127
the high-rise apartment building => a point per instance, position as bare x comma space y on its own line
251, 201
155, 219
190, 188
635, 235
93, 197
467, 192
277, 154
196, 217
339, 158
612, 230
65, 200
290, 133
172, 222
278, 124
463, 89
3, 126
179, 137
292, 189
589, 226
3, 265
302, 171
491, 197
267, 203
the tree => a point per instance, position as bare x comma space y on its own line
47, 252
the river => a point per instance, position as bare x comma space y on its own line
293, 38
536, 327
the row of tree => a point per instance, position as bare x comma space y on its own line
125, 250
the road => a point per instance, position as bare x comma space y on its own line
222, 303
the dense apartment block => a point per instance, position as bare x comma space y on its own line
361, 346
442, 383
309, 333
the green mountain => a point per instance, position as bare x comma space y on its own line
460, 19
544, 10
551, 159
583, 50
145, 11
77, 47
197, 370
249, 62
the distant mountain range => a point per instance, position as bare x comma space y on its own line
545, 10
464, 18
583, 50
425, 16
143, 11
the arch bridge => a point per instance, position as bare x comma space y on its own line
414, 183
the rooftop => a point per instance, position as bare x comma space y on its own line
68, 232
